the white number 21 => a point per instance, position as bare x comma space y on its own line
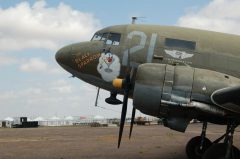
140, 46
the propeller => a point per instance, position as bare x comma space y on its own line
132, 121
127, 85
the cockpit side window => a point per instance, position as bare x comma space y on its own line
109, 38
97, 37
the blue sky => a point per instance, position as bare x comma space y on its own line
112, 12
33, 84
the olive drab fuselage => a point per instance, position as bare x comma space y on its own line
181, 65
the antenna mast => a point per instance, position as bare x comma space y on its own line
134, 20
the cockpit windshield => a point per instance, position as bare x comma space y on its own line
108, 38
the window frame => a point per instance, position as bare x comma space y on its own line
97, 33
115, 39
180, 44
105, 37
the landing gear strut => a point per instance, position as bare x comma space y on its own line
198, 145
224, 150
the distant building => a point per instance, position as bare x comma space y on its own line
18, 122
66, 121
7, 122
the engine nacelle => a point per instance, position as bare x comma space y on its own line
156, 84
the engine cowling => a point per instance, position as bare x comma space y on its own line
156, 84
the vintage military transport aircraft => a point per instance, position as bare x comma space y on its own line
177, 74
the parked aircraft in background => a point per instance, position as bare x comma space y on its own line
177, 74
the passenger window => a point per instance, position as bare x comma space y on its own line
184, 44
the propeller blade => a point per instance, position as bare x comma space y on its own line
125, 101
124, 108
132, 121
123, 117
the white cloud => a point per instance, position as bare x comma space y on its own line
6, 60
38, 65
60, 97
61, 86
218, 15
39, 26
34, 65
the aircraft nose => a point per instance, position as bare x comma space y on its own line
63, 55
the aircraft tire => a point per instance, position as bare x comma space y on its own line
192, 148
218, 151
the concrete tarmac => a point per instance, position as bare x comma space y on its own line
147, 142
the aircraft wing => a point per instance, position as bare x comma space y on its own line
227, 98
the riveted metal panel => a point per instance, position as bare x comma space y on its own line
168, 83
182, 86
148, 88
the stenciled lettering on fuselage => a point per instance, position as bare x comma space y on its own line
109, 66
178, 57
